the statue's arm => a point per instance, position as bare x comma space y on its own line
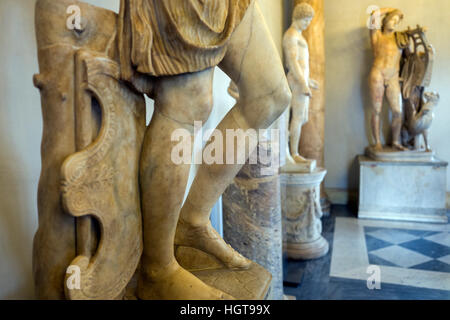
292, 56
384, 11
374, 33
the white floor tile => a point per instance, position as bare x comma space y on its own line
393, 236
400, 256
441, 238
445, 259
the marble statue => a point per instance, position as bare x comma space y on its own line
296, 54
401, 70
300, 178
405, 181
122, 215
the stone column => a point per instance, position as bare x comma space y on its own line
312, 141
252, 218
301, 215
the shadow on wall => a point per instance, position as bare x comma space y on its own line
366, 65
362, 90
366, 103
16, 227
288, 5
358, 39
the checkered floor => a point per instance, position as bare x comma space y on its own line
412, 249
413, 260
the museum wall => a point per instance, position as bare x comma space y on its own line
21, 131
20, 135
348, 63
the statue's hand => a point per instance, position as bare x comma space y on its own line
313, 84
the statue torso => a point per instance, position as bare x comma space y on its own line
294, 41
387, 55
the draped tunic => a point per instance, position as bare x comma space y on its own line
170, 37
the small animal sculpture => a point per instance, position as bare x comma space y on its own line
419, 122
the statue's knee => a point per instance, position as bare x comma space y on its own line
397, 114
376, 112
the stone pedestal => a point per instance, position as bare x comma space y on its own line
403, 190
252, 220
251, 284
301, 214
390, 154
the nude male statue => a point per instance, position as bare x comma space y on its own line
176, 69
296, 54
385, 75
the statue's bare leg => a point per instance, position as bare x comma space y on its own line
253, 63
377, 89
394, 97
299, 107
179, 101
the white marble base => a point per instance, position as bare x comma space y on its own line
390, 154
307, 166
406, 191
308, 250
301, 215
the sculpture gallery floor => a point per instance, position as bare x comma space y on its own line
413, 259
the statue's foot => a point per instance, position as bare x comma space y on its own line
299, 159
289, 158
399, 147
378, 147
206, 239
175, 283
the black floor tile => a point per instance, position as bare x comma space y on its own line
434, 265
373, 259
373, 243
427, 248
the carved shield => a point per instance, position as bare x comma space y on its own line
93, 131
102, 181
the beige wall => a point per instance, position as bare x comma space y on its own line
20, 135
274, 14
348, 60
21, 130
348, 63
